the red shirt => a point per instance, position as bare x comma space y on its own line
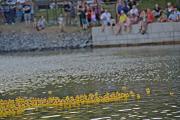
89, 14
150, 17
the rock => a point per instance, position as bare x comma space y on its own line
27, 41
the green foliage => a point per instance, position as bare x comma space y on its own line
150, 3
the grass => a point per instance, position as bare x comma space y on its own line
151, 3
50, 14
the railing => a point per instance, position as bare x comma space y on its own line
52, 14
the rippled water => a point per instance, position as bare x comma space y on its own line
106, 70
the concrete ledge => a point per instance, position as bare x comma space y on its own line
156, 33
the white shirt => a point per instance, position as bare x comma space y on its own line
60, 20
134, 11
21, 1
106, 16
11, 2
178, 13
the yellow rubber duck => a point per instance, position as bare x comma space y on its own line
132, 94
49, 92
171, 93
138, 96
148, 91
124, 88
19, 105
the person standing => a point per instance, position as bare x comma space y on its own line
72, 12
12, 13
1, 15
32, 10
79, 8
83, 18
61, 23
6, 10
27, 13
67, 14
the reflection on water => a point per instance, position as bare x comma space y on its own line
157, 68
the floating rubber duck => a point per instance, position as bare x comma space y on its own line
19, 105
148, 91
124, 88
138, 96
171, 93
49, 92
132, 94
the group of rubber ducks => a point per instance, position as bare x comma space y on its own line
9, 108
19, 105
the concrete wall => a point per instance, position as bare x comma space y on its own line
157, 32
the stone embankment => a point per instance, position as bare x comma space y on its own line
15, 40
157, 33
28, 41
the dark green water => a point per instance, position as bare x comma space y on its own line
137, 68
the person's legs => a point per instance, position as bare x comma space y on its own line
140, 26
9, 18
32, 17
128, 28
6, 17
103, 26
61, 27
22, 17
26, 18
69, 18
144, 28
66, 18
29, 18
80, 20
13, 14
117, 28
1, 17
83, 23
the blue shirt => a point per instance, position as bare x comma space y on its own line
173, 16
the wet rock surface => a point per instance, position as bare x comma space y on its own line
28, 41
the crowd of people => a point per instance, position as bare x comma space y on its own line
13, 11
17, 11
92, 14
127, 14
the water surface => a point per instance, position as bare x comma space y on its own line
98, 70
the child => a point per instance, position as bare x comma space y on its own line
34, 22
41, 23
61, 23
143, 22
163, 17
83, 19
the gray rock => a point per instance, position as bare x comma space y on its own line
24, 41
